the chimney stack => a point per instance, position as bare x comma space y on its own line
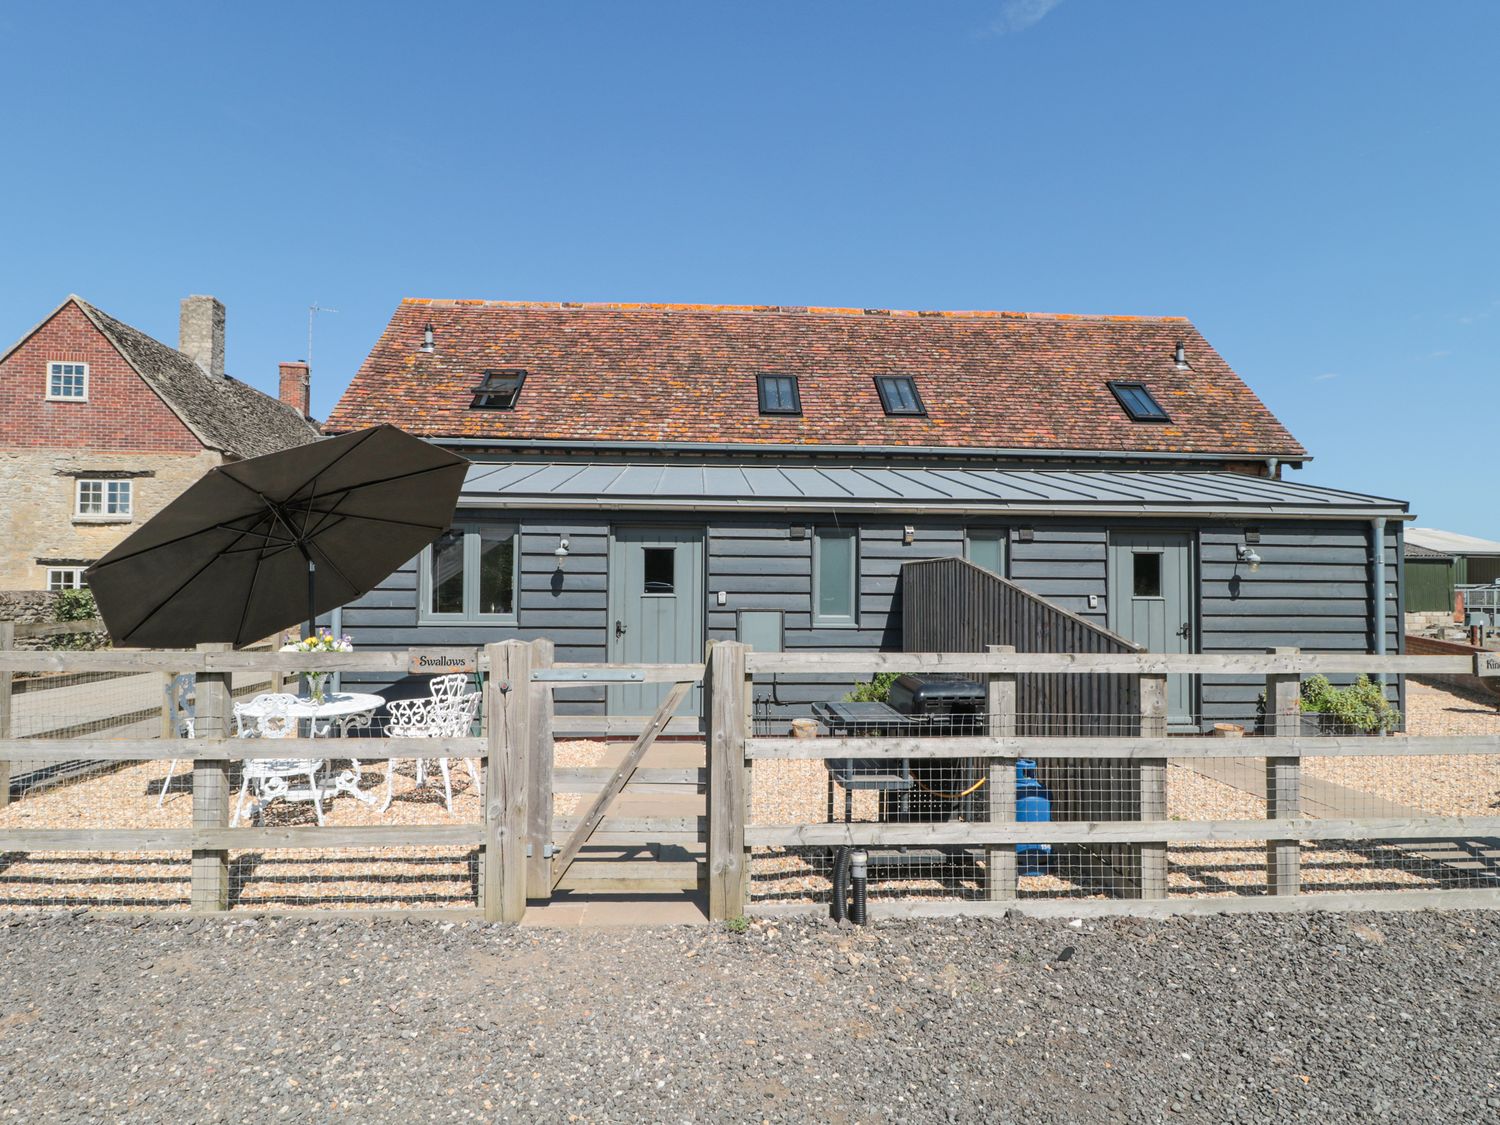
200, 333
296, 386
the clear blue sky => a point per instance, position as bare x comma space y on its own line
1314, 184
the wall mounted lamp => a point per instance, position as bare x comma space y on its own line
908, 535
1247, 555
561, 554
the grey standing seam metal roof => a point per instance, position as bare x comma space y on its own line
726, 486
223, 413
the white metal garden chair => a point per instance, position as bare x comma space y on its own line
430, 718
270, 716
447, 690
180, 714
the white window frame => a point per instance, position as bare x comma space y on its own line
839, 620
106, 486
471, 530
53, 363
56, 583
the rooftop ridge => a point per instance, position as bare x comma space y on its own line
810, 310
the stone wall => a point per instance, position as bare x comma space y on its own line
26, 606
38, 528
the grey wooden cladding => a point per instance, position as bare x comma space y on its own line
1174, 746
943, 834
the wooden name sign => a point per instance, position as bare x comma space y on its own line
1487, 664
441, 661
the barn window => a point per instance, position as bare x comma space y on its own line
986, 548
498, 390
469, 574
835, 577
779, 394
1138, 403
898, 394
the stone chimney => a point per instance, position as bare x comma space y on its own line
296, 386
200, 333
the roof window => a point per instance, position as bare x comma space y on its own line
898, 394
778, 394
1138, 403
498, 390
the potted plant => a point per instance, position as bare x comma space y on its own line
323, 641
1359, 708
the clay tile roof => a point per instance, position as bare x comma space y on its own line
686, 373
224, 413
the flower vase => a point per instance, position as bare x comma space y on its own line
316, 685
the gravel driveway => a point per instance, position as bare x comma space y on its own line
1245, 1019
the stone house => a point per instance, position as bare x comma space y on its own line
101, 426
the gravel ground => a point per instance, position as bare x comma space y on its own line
1244, 1019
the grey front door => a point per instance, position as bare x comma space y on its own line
656, 608
1151, 603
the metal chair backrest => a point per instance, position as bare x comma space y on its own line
447, 689
180, 709
266, 716
411, 718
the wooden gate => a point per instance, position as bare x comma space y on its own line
604, 844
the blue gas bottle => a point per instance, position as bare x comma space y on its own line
1033, 804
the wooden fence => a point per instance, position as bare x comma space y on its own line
519, 859
1147, 835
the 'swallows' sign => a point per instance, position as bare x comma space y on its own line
441, 661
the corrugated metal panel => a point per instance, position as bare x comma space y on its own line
668, 485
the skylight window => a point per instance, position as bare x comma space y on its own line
898, 394
498, 390
1138, 403
778, 394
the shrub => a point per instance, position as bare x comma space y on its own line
877, 690
1361, 706
74, 605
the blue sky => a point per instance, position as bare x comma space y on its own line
1314, 184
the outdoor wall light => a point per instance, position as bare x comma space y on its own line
908, 535
427, 338
561, 554
1248, 555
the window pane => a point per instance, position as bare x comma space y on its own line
1148, 575
117, 497
835, 576
778, 394
987, 549
497, 570
448, 572
90, 497
660, 570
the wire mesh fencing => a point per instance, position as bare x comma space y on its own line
347, 786
1220, 795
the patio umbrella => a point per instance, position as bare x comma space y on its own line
261, 544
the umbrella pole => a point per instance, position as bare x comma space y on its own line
312, 584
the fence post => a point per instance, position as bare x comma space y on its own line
1151, 859
1000, 860
539, 779
7, 702
728, 863
1283, 778
210, 867
502, 887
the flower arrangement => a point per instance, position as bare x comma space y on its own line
321, 641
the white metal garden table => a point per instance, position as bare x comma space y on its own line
341, 711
